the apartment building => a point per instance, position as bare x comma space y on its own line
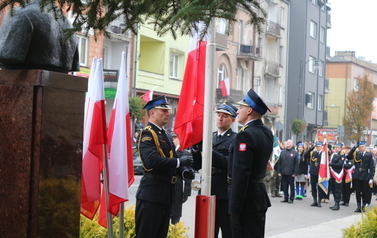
305, 90
343, 71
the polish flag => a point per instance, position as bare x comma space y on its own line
94, 142
224, 86
324, 171
120, 159
147, 96
190, 110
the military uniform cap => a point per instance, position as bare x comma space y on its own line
159, 102
252, 100
339, 144
362, 143
227, 108
318, 143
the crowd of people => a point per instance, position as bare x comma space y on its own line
296, 168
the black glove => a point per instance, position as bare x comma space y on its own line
188, 174
355, 147
185, 160
184, 198
235, 219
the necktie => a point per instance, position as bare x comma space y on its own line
219, 137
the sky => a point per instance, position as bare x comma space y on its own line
354, 28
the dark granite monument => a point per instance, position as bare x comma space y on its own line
41, 127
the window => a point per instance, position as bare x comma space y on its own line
321, 67
221, 74
281, 55
313, 29
314, 2
222, 25
312, 61
281, 95
322, 35
174, 64
82, 44
309, 100
319, 106
282, 17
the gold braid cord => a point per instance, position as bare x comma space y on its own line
157, 143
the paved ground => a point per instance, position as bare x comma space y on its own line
290, 220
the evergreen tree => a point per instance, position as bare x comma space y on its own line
359, 107
175, 16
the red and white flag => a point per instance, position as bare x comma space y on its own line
324, 171
190, 109
94, 142
225, 88
147, 96
120, 159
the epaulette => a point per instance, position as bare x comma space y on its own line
243, 128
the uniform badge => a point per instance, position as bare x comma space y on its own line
291, 155
242, 147
147, 138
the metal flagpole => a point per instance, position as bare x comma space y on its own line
205, 205
109, 218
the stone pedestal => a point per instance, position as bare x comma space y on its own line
41, 127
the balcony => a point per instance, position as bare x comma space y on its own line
272, 69
273, 30
249, 52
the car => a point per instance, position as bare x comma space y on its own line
138, 166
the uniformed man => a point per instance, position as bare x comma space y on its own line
362, 174
222, 139
156, 191
347, 177
336, 169
314, 158
248, 158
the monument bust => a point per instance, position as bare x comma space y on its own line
32, 39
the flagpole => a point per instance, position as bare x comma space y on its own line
106, 188
207, 128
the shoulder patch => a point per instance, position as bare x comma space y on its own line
147, 138
242, 147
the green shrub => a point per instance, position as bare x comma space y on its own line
91, 228
366, 228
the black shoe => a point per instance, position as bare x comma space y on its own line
314, 204
358, 209
319, 204
290, 201
285, 200
346, 204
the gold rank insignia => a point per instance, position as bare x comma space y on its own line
243, 128
147, 138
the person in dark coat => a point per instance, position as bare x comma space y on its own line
156, 192
362, 174
287, 168
336, 169
222, 139
314, 158
248, 158
347, 177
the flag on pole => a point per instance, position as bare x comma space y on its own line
147, 96
94, 141
189, 118
120, 159
225, 88
324, 171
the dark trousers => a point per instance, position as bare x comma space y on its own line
222, 220
151, 219
252, 225
336, 189
362, 191
346, 192
288, 183
314, 185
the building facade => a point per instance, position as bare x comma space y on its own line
343, 72
305, 91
